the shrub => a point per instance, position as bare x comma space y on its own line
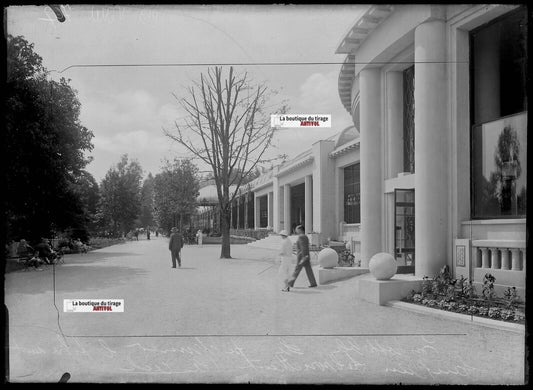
473, 310
519, 316
511, 297
459, 295
346, 258
417, 298
494, 312
488, 287
507, 314
426, 286
431, 302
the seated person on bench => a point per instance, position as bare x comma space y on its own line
27, 253
45, 252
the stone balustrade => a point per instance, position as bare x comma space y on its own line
500, 254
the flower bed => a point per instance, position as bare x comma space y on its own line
460, 296
346, 258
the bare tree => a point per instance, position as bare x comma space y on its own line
226, 126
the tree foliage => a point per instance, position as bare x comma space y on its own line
45, 146
227, 126
120, 196
175, 193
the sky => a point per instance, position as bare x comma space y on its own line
127, 107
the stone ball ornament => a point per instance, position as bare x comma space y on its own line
328, 258
382, 266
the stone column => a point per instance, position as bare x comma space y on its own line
515, 259
485, 260
257, 212
232, 216
245, 216
339, 192
505, 259
477, 256
287, 207
394, 97
270, 210
276, 203
431, 149
494, 260
308, 204
238, 211
371, 174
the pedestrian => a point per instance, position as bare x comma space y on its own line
285, 255
175, 244
303, 259
148, 234
199, 237
136, 234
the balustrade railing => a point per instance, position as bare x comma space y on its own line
500, 254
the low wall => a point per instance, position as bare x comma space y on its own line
328, 275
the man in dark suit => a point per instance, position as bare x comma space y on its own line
175, 244
303, 258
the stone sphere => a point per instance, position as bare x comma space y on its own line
328, 258
382, 266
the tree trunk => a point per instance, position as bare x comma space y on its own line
225, 252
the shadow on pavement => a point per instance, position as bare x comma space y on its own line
319, 287
303, 291
325, 287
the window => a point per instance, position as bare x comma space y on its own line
498, 59
409, 120
352, 194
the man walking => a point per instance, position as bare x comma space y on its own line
303, 260
175, 244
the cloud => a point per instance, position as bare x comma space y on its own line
129, 122
106, 113
317, 95
150, 148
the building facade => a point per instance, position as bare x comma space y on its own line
318, 189
434, 170
438, 94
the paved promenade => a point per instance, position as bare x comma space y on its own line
227, 321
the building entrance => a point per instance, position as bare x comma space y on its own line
404, 237
297, 205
